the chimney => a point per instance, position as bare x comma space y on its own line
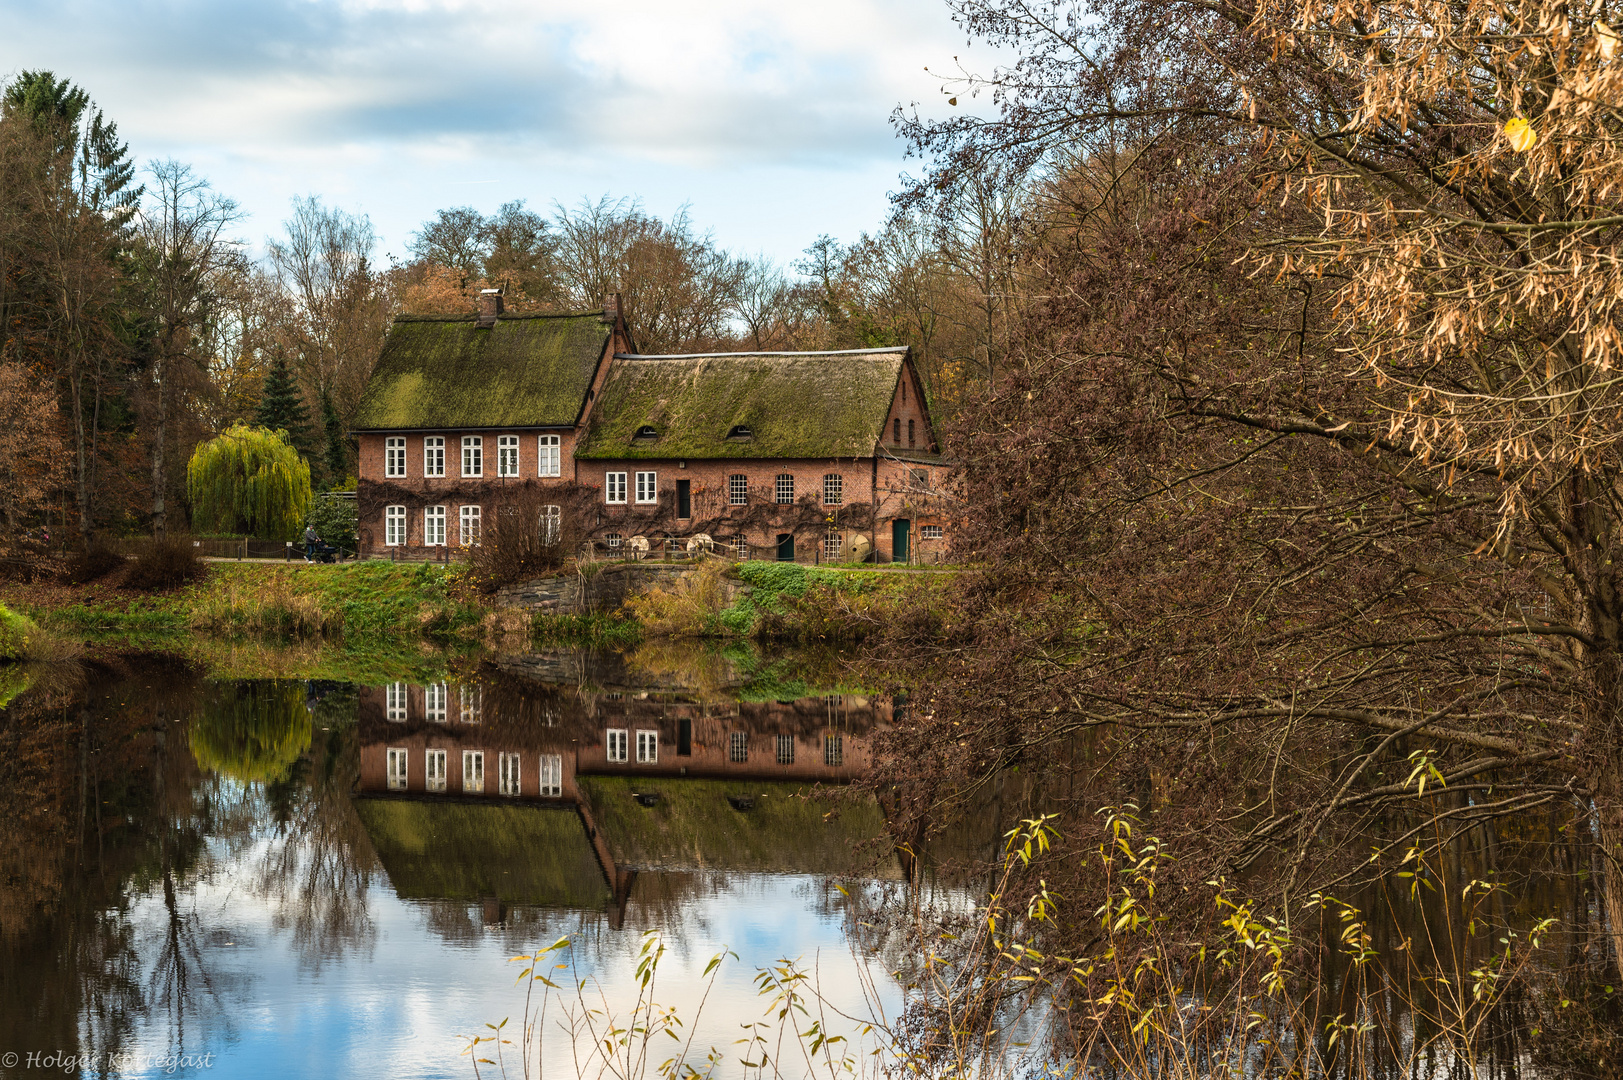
490, 306
611, 307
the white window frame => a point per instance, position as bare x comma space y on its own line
613, 541
397, 702
931, 532
470, 520
615, 741
434, 770
471, 704
614, 488
834, 751
399, 762
552, 776
833, 545
549, 455
434, 455
786, 749
738, 747
434, 526
833, 489
647, 746
510, 774
434, 697
738, 490
507, 455
394, 456
473, 771
552, 524
783, 489
647, 488
473, 455
394, 526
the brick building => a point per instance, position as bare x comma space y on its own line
827, 456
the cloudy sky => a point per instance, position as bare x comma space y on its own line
770, 120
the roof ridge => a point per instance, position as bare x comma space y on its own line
504, 317
741, 355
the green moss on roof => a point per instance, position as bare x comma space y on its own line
528, 371
460, 851
797, 406
693, 827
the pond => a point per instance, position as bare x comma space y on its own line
273, 877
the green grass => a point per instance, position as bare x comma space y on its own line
585, 631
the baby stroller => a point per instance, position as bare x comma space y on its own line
324, 553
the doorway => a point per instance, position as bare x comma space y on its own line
684, 498
901, 531
786, 547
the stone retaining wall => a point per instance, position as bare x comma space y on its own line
602, 590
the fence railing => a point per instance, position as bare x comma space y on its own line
228, 549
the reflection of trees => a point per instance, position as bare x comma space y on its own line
251, 731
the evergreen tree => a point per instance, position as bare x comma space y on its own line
337, 448
282, 407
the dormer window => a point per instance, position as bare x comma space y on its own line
741, 431
647, 431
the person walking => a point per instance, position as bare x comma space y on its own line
311, 543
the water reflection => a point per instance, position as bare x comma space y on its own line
321, 878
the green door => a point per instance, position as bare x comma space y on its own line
900, 534
786, 547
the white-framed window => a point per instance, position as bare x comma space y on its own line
647, 487
929, 532
738, 489
614, 487
833, 749
552, 776
434, 455
471, 702
434, 526
738, 746
397, 768
473, 455
508, 774
552, 524
786, 749
614, 540
434, 766
394, 525
615, 744
549, 456
833, 489
394, 456
785, 488
647, 747
741, 546
507, 455
832, 544
434, 702
470, 525
396, 699
473, 770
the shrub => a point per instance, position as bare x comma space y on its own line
522, 539
15, 632
334, 521
164, 564
94, 563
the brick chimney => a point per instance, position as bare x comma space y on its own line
611, 307
490, 306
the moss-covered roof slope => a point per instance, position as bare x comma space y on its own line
526, 371
794, 405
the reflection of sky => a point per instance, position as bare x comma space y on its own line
398, 1006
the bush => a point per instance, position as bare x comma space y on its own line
333, 519
165, 564
92, 564
15, 633
517, 543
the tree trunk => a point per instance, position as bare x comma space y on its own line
160, 471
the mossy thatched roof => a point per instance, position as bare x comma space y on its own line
796, 405
463, 851
694, 827
526, 371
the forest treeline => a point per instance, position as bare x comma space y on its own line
138, 324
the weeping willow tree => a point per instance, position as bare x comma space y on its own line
251, 731
249, 480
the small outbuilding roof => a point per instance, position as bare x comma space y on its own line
744, 405
448, 372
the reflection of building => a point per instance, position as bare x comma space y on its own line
658, 781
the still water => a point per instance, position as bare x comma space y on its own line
276, 878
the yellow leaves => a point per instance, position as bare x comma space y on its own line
1606, 40
1521, 135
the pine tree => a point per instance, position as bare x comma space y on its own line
337, 450
282, 407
